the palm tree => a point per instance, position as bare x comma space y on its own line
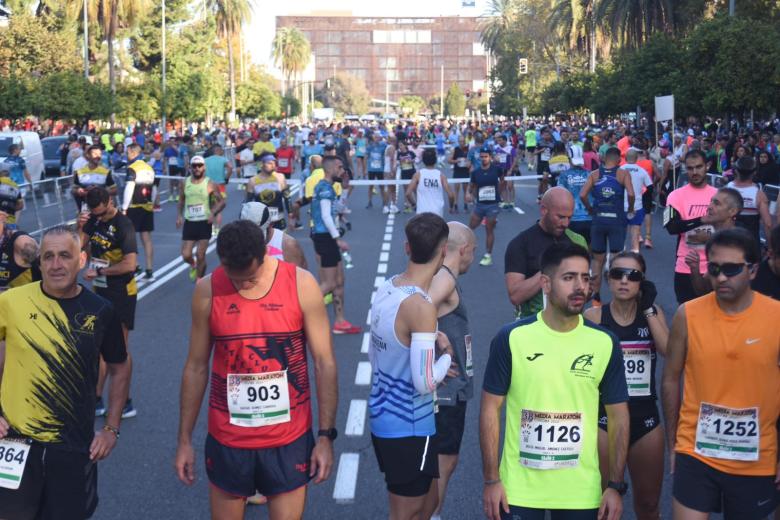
575, 21
291, 52
634, 21
231, 15
500, 18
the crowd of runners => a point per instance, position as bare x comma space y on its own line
574, 376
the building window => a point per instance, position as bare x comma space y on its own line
401, 36
387, 63
477, 49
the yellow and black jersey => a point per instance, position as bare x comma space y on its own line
10, 195
111, 241
144, 178
51, 366
12, 274
87, 177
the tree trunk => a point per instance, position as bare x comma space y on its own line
111, 69
232, 73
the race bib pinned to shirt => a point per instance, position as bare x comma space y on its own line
283, 162
550, 440
728, 433
487, 194
375, 164
546, 155
637, 365
469, 360
196, 211
13, 459
258, 399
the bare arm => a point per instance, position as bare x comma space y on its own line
219, 201
412, 187
522, 289
292, 252
119, 388
659, 330
448, 189
493, 494
617, 430
441, 289
676, 351
126, 265
586, 190
629, 187
763, 211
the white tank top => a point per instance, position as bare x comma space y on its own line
749, 198
274, 247
429, 192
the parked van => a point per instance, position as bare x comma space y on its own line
31, 150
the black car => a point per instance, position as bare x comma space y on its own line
51, 155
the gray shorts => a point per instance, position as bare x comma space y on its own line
486, 210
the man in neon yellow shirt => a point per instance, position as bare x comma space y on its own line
553, 369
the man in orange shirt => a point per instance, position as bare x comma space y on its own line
724, 431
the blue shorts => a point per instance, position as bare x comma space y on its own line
638, 218
601, 233
486, 210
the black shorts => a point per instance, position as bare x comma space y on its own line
530, 149
376, 176
647, 200
328, 249
643, 418
581, 227
409, 463
407, 175
460, 174
450, 423
529, 513
196, 230
176, 171
124, 305
142, 220
542, 167
683, 288
703, 488
56, 485
271, 471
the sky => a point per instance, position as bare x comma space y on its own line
259, 33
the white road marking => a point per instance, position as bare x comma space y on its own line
384, 256
381, 268
368, 317
356, 418
162, 281
363, 374
388, 237
364, 346
346, 478
520, 211
378, 281
385, 246
389, 229
373, 295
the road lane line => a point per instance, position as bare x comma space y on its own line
381, 268
378, 281
356, 418
364, 345
388, 237
363, 374
384, 256
385, 246
389, 229
346, 478
520, 211
162, 281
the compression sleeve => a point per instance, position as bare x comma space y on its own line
129, 189
327, 218
426, 373
154, 192
675, 225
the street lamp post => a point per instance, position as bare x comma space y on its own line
732, 7
86, 42
163, 70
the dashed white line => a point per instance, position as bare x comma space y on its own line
356, 418
381, 268
384, 256
364, 345
368, 317
388, 237
520, 211
363, 374
389, 229
385, 246
378, 281
373, 295
346, 478
161, 281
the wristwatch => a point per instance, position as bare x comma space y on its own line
620, 487
330, 433
99, 271
650, 311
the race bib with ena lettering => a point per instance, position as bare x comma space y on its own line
728, 433
550, 440
258, 399
487, 194
13, 459
637, 365
99, 281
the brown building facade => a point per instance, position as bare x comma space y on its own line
402, 55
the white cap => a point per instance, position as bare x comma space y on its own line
690, 131
575, 156
256, 212
197, 159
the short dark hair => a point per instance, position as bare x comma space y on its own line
94, 147
696, 153
613, 152
239, 244
328, 159
429, 157
734, 196
738, 238
425, 233
558, 252
96, 196
637, 257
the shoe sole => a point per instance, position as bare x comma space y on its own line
130, 414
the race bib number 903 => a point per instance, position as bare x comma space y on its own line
550, 440
258, 399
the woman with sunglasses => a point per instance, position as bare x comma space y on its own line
640, 326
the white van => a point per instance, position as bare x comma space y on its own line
31, 152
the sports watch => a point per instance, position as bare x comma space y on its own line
620, 487
330, 433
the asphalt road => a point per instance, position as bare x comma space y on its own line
138, 480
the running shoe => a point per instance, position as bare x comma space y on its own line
408, 209
648, 243
193, 274
214, 231
393, 208
486, 260
138, 270
257, 499
328, 299
385, 210
345, 327
149, 276
297, 226
157, 208
129, 410
100, 407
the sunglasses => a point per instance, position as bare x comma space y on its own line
198, 165
633, 275
729, 269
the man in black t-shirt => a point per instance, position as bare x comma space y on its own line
767, 280
460, 169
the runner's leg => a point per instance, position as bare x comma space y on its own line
225, 506
146, 238
490, 235
186, 252
287, 506
447, 465
200, 257
413, 508
680, 512
646, 467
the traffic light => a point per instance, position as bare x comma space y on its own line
523, 65
468, 93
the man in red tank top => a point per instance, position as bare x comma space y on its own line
258, 314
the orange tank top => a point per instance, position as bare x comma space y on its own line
731, 393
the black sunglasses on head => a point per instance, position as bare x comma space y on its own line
728, 268
633, 275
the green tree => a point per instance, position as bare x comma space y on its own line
146, 41
139, 101
454, 101
17, 98
256, 100
70, 96
231, 15
291, 52
634, 21
291, 107
411, 104
31, 45
346, 93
